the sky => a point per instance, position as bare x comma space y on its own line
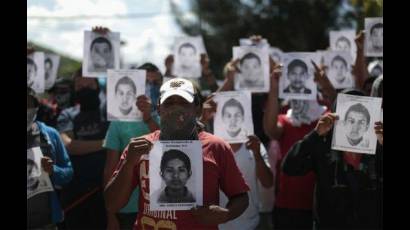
149, 34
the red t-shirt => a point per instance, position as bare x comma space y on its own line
293, 192
220, 172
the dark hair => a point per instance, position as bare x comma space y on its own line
339, 58
126, 81
343, 38
295, 63
49, 61
101, 40
376, 26
349, 91
250, 56
359, 108
185, 45
175, 154
148, 66
31, 162
233, 102
31, 62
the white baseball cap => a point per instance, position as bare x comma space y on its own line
177, 86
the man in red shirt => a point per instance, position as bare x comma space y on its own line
178, 108
294, 195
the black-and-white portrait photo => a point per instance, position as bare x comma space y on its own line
101, 52
374, 37
123, 88
297, 78
187, 54
233, 119
177, 183
276, 55
254, 68
354, 130
38, 181
343, 40
51, 64
35, 72
339, 69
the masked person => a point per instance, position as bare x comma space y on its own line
118, 136
294, 195
44, 209
178, 108
349, 185
82, 130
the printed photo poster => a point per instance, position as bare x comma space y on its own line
297, 81
354, 130
344, 40
339, 69
51, 64
35, 72
233, 119
101, 52
38, 181
263, 43
123, 88
276, 54
373, 37
187, 56
175, 175
254, 69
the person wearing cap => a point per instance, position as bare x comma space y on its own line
44, 209
178, 109
119, 134
349, 185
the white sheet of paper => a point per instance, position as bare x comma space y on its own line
248, 42
51, 64
339, 69
354, 126
373, 41
177, 153
254, 66
233, 119
38, 181
276, 55
35, 73
187, 55
344, 40
100, 56
121, 97
303, 80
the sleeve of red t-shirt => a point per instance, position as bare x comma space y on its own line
135, 175
231, 179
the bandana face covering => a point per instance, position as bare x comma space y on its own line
177, 123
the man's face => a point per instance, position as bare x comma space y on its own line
339, 69
175, 174
342, 45
251, 69
125, 96
47, 69
377, 38
176, 114
32, 172
297, 77
187, 56
31, 74
356, 124
101, 55
299, 106
233, 119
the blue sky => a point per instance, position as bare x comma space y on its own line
149, 38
